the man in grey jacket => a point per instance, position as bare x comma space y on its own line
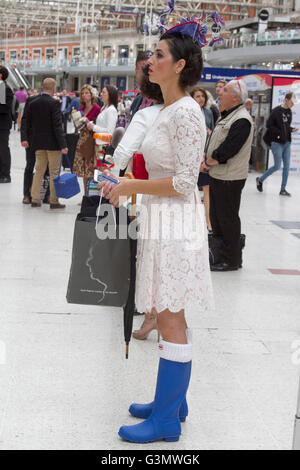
227, 160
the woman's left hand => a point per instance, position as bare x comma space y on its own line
90, 126
121, 192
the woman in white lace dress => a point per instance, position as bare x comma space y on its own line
172, 263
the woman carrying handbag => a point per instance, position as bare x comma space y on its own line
173, 272
84, 162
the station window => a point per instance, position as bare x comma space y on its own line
36, 54
123, 52
13, 55
76, 51
139, 48
49, 53
24, 54
107, 52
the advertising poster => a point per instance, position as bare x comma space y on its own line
281, 86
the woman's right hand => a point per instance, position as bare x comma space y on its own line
106, 186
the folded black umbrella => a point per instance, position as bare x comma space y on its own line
130, 304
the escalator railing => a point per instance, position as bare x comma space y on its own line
22, 78
12, 80
16, 78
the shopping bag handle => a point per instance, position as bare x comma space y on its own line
132, 214
68, 160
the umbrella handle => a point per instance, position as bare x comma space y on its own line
132, 215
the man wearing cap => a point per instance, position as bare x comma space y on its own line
278, 136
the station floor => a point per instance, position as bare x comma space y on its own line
64, 379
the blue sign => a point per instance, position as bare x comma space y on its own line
104, 81
121, 83
212, 74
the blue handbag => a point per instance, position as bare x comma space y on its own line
66, 185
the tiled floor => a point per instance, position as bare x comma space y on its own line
64, 381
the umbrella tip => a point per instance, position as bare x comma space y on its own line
127, 350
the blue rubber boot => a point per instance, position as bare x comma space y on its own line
163, 423
144, 411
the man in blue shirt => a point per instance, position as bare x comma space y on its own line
74, 104
65, 101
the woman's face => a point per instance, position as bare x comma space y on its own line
200, 98
162, 68
105, 96
86, 96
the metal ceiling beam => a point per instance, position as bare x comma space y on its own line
47, 14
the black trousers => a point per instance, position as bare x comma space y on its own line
28, 173
65, 121
5, 157
225, 198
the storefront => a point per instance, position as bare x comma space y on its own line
267, 90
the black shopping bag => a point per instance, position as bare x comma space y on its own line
100, 269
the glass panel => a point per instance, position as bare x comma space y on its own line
139, 48
76, 51
123, 52
104, 81
24, 54
107, 52
63, 53
36, 54
13, 55
49, 53
121, 83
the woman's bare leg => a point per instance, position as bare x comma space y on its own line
172, 326
85, 180
19, 120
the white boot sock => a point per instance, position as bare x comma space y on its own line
177, 352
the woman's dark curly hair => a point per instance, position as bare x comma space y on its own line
150, 90
183, 47
4, 72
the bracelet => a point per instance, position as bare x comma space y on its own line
206, 164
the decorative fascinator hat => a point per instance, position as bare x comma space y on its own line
196, 28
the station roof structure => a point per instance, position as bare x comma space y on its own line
21, 17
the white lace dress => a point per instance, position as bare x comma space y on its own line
172, 256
